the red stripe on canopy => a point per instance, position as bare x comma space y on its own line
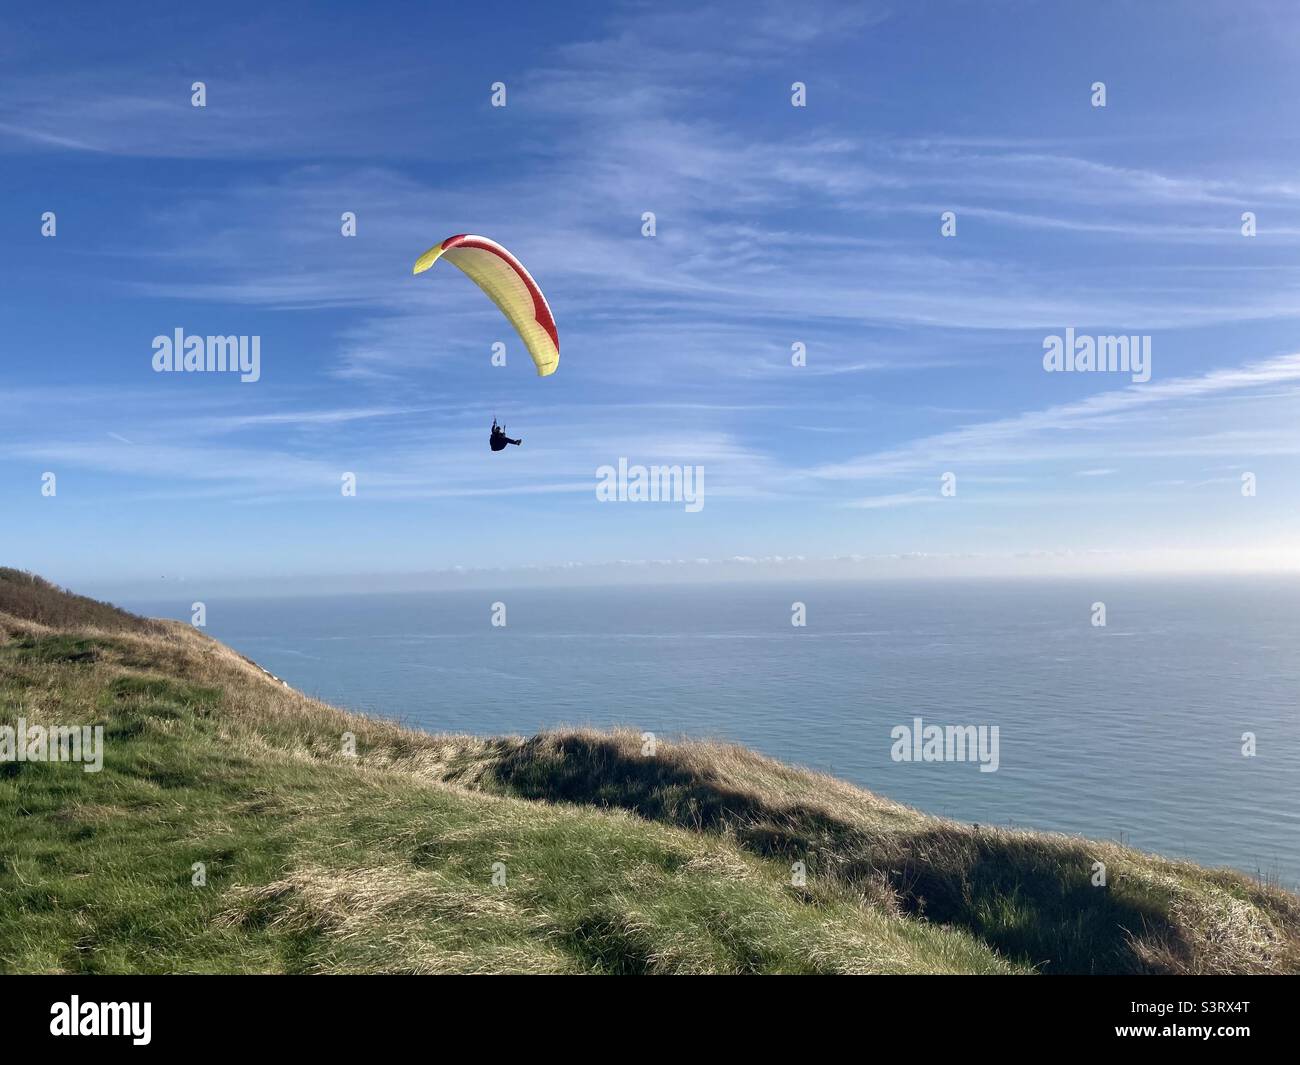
541, 312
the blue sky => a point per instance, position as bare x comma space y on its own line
775, 225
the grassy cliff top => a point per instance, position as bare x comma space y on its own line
570, 851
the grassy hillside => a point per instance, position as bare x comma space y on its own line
613, 862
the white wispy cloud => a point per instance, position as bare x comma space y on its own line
814, 228
1037, 435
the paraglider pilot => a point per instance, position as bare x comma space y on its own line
499, 440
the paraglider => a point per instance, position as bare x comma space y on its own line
509, 286
498, 440
513, 290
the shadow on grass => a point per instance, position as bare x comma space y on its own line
1029, 900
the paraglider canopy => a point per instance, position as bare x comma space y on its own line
509, 286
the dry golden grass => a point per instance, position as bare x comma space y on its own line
619, 861
318, 861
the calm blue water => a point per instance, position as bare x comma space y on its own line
1130, 731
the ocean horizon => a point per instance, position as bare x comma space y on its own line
1133, 730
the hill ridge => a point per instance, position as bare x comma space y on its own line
332, 842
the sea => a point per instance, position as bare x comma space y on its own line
1173, 727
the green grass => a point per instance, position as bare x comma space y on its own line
317, 865
613, 862
1030, 895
